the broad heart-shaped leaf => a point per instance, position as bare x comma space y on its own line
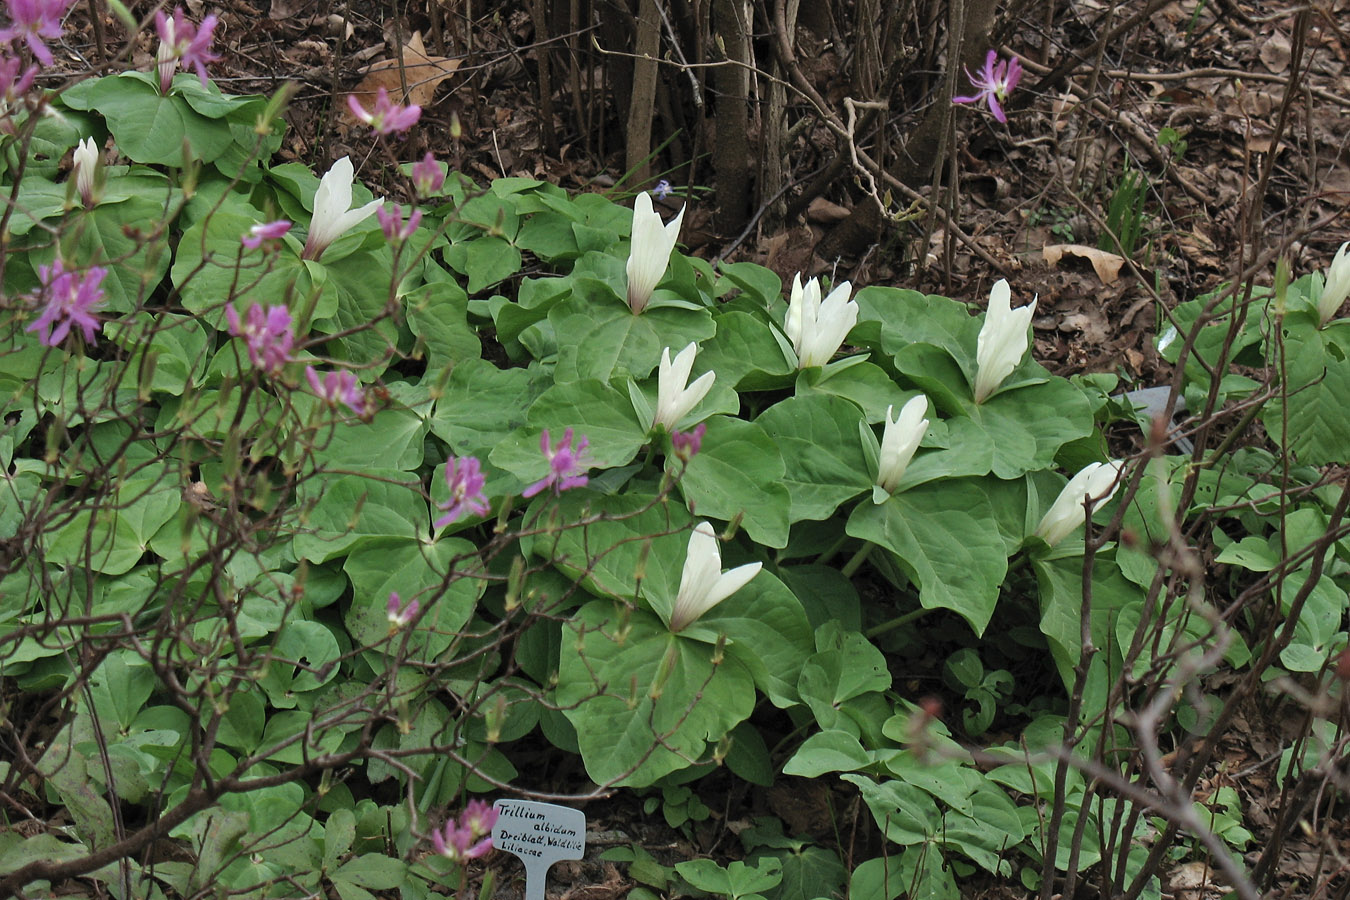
437, 315
827, 751
360, 285
871, 389
909, 317
603, 340
960, 448
416, 571
919, 873
766, 630
1318, 428
150, 128
817, 436
112, 538
482, 404
392, 440
355, 511
1028, 425
745, 353
99, 237
212, 267
593, 410
1061, 589
644, 702
736, 880
906, 814
739, 472
944, 537
606, 555
988, 832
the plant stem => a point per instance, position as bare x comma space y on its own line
892, 624
858, 559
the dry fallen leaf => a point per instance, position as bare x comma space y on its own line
1106, 265
423, 73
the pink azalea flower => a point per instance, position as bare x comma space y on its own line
387, 117
185, 44
465, 479
268, 231
566, 469
338, 387
13, 85
34, 20
396, 231
398, 614
71, 299
428, 176
995, 82
469, 836
267, 335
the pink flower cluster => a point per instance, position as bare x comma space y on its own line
465, 479
71, 297
267, 335
35, 22
388, 117
398, 614
338, 387
995, 82
566, 468
469, 836
183, 44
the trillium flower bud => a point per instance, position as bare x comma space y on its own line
1337, 286
818, 327
333, 216
1003, 340
899, 441
703, 584
88, 166
673, 400
649, 253
1096, 483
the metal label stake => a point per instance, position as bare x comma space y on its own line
540, 834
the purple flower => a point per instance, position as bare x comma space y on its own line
465, 479
13, 85
428, 176
267, 335
338, 387
34, 20
71, 299
387, 117
398, 614
268, 231
182, 43
687, 443
469, 836
662, 189
995, 82
566, 470
396, 231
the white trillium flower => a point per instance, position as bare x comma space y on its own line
818, 327
673, 399
649, 251
333, 216
1003, 340
1098, 482
703, 584
1337, 286
87, 162
899, 441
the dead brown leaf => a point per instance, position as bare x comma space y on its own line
423, 74
1106, 265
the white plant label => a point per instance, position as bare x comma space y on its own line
540, 834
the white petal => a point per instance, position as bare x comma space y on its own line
730, 582
1002, 342
1098, 481
1337, 286
649, 250
900, 441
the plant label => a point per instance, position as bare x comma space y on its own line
539, 834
